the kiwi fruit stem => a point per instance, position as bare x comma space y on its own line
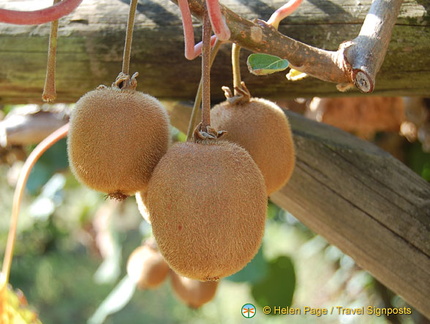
198, 98
49, 92
124, 82
17, 197
129, 38
235, 64
206, 70
241, 93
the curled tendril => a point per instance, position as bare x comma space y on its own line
41, 16
286, 10
222, 32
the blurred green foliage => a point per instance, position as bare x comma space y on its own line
52, 161
418, 160
277, 288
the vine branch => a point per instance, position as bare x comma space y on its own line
356, 62
365, 54
41, 16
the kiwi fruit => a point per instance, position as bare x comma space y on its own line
261, 127
207, 201
146, 266
193, 293
117, 136
141, 206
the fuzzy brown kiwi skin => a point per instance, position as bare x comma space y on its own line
116, 138
261, 127
141, 206
147, 267
207, 203
192, 292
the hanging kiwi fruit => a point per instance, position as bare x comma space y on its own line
207, 202
146, 266
193, 293
117, 134
258, 125
207, 199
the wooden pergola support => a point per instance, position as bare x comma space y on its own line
91, 41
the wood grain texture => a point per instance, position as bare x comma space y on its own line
361, 199
92, 38
365, 202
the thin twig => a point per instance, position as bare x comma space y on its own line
129, 38
19, 190
206, 70
198, 98
49, 92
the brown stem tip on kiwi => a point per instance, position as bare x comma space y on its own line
207, 201
261, 127
117, 136
146, 266
192, 292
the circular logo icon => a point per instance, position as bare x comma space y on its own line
248, 310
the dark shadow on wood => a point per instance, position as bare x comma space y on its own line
261, 9
156, 12
331, 8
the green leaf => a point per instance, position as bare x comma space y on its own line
262, 64
254, 271
277, 288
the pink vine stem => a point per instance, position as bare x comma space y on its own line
222, 32
284, 11
41, 16
219, 26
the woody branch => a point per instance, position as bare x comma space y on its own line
356, 62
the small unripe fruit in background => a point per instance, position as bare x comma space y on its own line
207, 202
192, 292
146, 266
116, 138
261, 127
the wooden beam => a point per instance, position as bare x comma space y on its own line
362, 200
365, 202
91, 41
